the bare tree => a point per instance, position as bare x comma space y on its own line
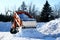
56, 12
30, 9
23, 6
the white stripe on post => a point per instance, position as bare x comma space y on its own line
17, 19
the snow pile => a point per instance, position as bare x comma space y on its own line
40, 24
58, 38
50, 28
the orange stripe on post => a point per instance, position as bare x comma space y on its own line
18, 20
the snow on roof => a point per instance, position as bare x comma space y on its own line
25, 17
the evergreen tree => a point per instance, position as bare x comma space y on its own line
32, 10
46, 14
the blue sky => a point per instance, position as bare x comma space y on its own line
14, 4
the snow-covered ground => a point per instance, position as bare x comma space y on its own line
43, 31
23, 34
51, 28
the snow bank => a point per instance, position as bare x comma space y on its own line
50, 28
40, 24
58, 38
